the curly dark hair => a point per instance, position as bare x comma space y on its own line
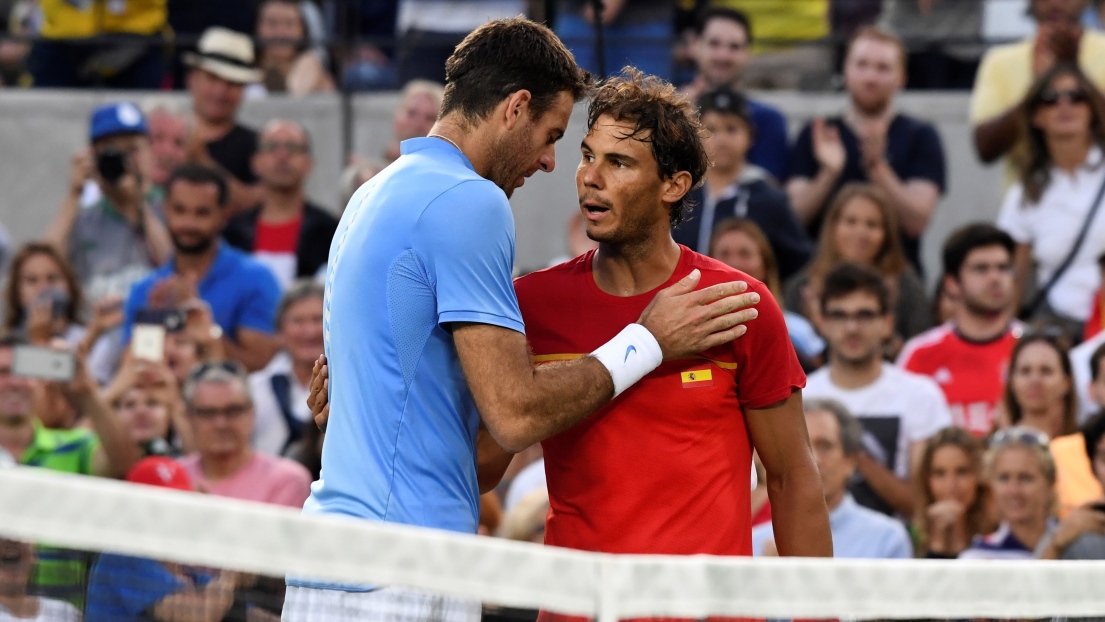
661, 117
1035, 164
505, 56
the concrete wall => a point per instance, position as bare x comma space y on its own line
40, 130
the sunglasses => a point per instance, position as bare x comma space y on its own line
1074, 96
230, 367
1020, 435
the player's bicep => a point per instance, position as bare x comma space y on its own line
495, 361
778, 433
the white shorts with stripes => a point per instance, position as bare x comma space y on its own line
389, 604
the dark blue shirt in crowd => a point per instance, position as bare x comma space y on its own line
126, 589
913, 150
769, 150
754, 196
241, 291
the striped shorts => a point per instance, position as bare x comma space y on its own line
389, 604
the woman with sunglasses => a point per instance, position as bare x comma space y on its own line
1021, 475
1054, 212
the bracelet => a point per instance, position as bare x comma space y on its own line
631, 355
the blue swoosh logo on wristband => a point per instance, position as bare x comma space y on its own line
628, 351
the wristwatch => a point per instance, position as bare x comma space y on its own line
215, 333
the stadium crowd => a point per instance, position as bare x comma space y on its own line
183, 270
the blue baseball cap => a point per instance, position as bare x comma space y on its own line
117, 118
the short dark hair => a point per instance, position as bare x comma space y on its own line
199, 174
1092, 432
851, 431
1095, 361
720, 12
849, 278
662, 118
971, 237
505, 56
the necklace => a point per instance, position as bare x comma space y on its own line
446, 140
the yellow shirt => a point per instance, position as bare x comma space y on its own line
1075, 483
1005, 74
778, 24
62, 20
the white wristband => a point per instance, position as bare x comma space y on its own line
631, 355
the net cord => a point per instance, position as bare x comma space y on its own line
105, 515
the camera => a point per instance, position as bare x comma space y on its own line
111, 162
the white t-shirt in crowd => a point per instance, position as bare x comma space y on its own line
1080, 366
897, 410
270, 430
49, 610
1051, 227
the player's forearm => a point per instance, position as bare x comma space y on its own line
798, 513
552, 399
997, 136
896, 492
492, 461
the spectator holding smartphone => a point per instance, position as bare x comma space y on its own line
1081, 535
147, 399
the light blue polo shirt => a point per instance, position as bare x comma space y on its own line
858, 533
425, 243
241, 291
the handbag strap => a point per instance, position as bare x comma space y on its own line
1041, 295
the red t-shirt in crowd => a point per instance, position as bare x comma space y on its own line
971, 374
276, 245
663, 468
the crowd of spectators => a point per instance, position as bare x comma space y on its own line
183, 270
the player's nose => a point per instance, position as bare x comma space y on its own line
547, 161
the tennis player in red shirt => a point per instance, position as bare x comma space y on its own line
664, 467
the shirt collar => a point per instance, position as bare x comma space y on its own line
440, 147
223, 260
842, 511
42, 443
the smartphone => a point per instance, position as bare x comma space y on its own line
44, 363
147, 342
112, 164
171, 319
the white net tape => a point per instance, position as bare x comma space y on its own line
103, 515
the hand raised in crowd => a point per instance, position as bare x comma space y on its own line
828, 149
107, 314
1055, 43
41, 326
945, 527
172, 292
200, 326
873, 143
686, 322
80, 171
1081, 521
319, 398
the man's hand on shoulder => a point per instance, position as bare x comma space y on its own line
686, 322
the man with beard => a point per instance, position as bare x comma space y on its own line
286, 232
968, 356
423, 328
216, 284
871, 142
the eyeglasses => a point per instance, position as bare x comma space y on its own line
230, 367
863, 316
983, 268
1020, 434
233, 411
290, 147
1074, 96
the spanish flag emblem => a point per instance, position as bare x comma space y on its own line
697, 378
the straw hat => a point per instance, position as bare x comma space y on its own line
226, 54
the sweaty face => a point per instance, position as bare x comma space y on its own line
855, 328
619, 185
737, 249
144, 415
222, 417
168, 144
835, 467
859, 231
1021, 490
216, 100
722, 52
193, 216
39, 273
952, 476
1037, 378
283, 158
873, 73
530, 145
986, 281
415, 116
301, 329
727, 140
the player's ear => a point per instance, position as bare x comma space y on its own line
516, 107
675, 187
